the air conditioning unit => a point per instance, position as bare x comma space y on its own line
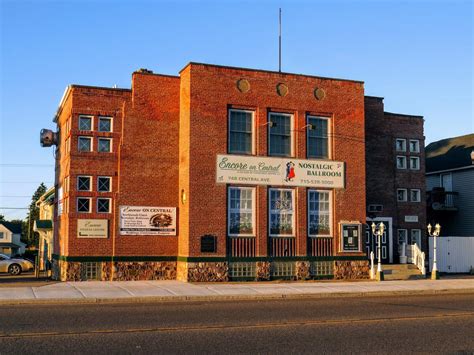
48, 138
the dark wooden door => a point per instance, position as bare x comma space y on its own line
371, 241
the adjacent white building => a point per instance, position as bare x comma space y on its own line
10, 235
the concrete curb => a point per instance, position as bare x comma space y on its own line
276, 296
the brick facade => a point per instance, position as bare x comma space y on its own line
167, 132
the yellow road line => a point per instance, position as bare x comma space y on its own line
241, 326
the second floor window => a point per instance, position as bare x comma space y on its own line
103, 184
1, 235
280, 134
240, 131
83, 204
105, 145
414, 146
84, 183
401, 145
414, 163
415, 195
402, 195
105, 124
401, 162
84, 144
318, 141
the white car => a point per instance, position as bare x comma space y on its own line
14, 266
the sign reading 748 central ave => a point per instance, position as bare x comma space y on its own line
237, 169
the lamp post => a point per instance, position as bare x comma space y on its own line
378, 231
435, 235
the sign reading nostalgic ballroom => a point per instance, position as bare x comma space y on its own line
236, 169
145, 220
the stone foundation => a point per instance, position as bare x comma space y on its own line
203, 271
351, 270
302, 270
263, 271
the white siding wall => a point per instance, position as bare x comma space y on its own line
454, 254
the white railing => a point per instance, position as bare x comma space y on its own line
417, 257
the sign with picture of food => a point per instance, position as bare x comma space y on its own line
145, 220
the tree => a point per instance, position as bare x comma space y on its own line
33, 214
2, 218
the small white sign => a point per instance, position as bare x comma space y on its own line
411, 219
145, 220
92, 228
236, 169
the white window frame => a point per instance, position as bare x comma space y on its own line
330, 214
328, 119
98, 144
84, 198
104, 198
254, 211
83, 176
292, 135
411, 236
405, 236
104, 177
252, 137
79, 123
417, 159
107, 118
404, 160
419, 195
406, 195
78, 144
293, 219
417, 142
404, 144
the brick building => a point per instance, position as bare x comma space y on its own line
217, 174
395, 169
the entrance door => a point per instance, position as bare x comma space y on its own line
371, 240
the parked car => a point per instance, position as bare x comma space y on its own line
14, 266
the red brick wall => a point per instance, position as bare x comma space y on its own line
212, 90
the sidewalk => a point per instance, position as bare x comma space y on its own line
149, 291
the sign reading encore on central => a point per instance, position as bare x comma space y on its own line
237, 169
143, 220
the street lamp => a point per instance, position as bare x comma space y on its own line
378, 231
435, 234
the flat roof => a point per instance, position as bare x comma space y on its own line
269, 71
402, 114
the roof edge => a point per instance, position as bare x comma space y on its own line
402, 114
269, 71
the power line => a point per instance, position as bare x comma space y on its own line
25, 182
26, 165
14, 208
13, 196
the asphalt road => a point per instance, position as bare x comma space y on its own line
435, 323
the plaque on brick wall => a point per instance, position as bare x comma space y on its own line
208, 244
350, 237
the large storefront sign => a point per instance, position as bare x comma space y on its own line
92, 228
236, 169
144, 220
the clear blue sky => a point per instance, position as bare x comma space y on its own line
416, 54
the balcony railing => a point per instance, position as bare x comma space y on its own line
441, 200
320, 246
282, 246
242, 247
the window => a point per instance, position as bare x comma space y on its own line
85, 123
280, 137
416, 237
282, 216
375, 208
241, 211
414, 146
103, 205
84, 183
84, 204
401, 195
84, 144
402, 236
319, 213
105, 124
1, 235
414, 163
401, 145
317, 133
105, 145
241, 131
401, 162
103, 184
415, 195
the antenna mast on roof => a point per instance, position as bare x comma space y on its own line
279, 44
